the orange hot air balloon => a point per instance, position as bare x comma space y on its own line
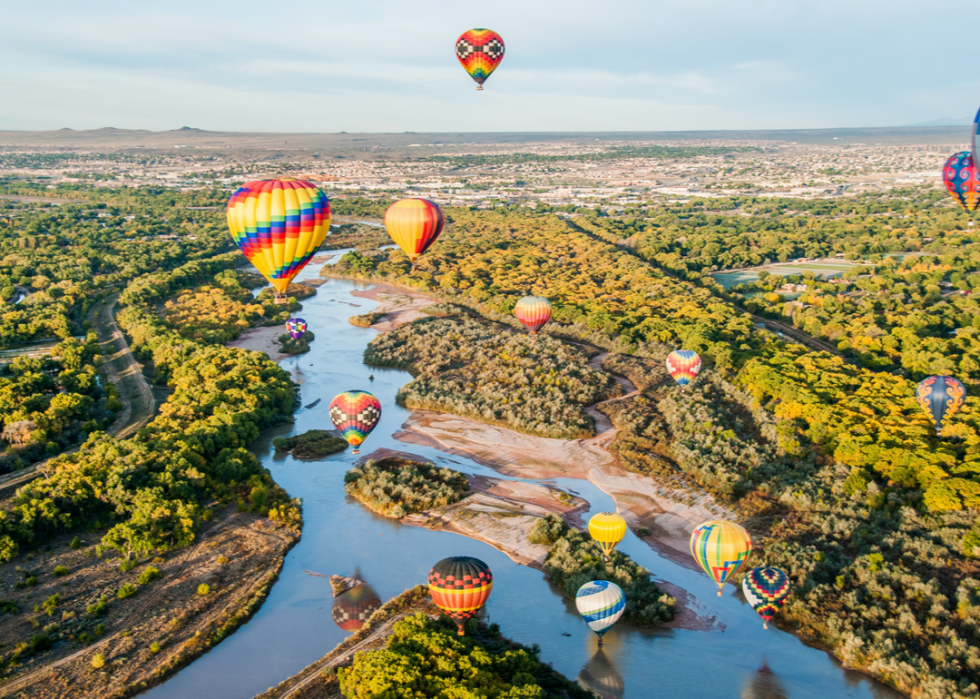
460, 586
414, 224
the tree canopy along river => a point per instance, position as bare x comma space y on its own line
294, 627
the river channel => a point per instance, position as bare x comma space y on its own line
294, 627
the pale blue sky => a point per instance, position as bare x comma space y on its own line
388, 65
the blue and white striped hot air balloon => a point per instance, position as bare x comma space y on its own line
600, 603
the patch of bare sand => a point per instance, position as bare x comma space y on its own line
262, 340
398, 306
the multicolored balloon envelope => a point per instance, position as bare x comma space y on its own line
940, 397
767, 590
607, 529
533, 312
460, 586
720, 548
296, 327
961, 180
352, 609
683, 366
480, 51
600, 603
278, 225
973, 137
414, 224
355, 413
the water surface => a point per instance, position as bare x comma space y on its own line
295, 627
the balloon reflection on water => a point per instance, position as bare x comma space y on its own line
602, 676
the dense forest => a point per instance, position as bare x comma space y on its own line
472, 367
833, 464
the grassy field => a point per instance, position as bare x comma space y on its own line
826, 269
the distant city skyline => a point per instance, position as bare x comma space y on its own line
387, 66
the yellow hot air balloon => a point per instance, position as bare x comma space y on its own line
720, 548
608, 529
278, 225
414, 224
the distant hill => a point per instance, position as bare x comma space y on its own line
110, 138
945, 122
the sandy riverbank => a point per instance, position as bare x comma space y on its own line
398, 306
262, 340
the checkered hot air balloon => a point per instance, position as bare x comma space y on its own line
607, 529
353, 608
767, 590
414, 224
533, 312
460, 586
683, 366
480, 51
940, 397
600, 603
296, 327
961, 180
720, 548
355, 413
278, 225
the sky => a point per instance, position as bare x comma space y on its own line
575, 65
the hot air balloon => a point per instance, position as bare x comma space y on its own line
480, 51
278, 225
608, 529
683, 366
296, 327
940, 397
961, 180
973, 136
767, 590
533, 312
600, 603
355, 413
720, 548
460, 586
353, 608
414, 224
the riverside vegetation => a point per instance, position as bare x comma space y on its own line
840, 475
425, 657
472, 367
396, 487
312, 444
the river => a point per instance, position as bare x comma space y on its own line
294, 627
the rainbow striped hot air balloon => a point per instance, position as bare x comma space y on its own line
683, 366
278, 225
533, 312
767, 590
608, 529
460, 586
414, 224
961, 180
480, 51
940, 397
296, 327
600, 603
720, 548
355, 413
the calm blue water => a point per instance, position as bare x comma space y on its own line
295, 627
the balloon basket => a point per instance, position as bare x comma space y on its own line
358, 451
281, 299
719, 592
479, 88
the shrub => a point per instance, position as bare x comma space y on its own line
203, 589
397, 487
127, 590
60, 571
148, 575
50, 603
98, 661
154, 647
100, 608
41, 642
547, 530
